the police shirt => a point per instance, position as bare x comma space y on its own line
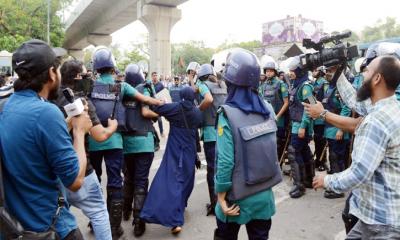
258, 206
139, 144
208, 133
284, 93
115, 141
306, 122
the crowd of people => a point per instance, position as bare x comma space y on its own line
59, 121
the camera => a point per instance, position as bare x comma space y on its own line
338, 54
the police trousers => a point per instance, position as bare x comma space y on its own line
256, 229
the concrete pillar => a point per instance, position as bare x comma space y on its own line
99, 39
78, 54
159, 21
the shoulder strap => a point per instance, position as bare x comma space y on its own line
184, 117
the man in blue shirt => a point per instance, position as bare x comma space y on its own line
36, 147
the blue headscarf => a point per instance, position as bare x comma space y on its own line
301, 76
187, 97
246, 100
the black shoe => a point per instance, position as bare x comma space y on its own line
297, 191
332, 195
126, 214
139, 228
117, 232
210, 209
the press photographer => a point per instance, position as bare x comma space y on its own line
38, 154
373, 174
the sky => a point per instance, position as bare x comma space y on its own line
216, 21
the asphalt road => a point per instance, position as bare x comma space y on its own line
310, 217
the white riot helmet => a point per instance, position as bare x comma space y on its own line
193, 66
218, 60
267, 62
357, 64
144, 66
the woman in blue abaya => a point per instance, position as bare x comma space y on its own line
170, 190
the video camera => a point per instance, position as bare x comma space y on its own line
338, 54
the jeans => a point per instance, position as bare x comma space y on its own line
89, 198
256, 230
363, 231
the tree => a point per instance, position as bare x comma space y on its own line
193, 51
252, 46
24, 20
381, 30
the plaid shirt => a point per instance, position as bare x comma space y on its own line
374, 174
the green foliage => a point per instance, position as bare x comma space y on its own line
21, 20
133, 56
252, 46
193, 51
381, 30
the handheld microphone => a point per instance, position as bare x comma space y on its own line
75, 106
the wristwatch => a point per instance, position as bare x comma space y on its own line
323, 114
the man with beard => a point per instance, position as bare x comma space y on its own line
37, 150
374, 174
337, 138
299, 153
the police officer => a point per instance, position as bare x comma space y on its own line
174, 90
319, 125
107, 98
247, 162
275, 91
337, 139
138, 142
214, 90
299, 153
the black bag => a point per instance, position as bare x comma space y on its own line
11, 228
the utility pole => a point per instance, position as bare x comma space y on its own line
48, 21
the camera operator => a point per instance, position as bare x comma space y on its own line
90, 197
37, 150
373, 174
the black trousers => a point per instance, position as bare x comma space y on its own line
256, 230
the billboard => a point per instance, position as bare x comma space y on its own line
291, 29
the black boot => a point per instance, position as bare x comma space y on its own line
116, 218
309, 174
128, 199
139, 225
215, 235
298, 189
213, 201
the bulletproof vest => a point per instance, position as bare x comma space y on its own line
271, 93
136, 124
329, 103
319, 90
218, 91
174, 91
296, 109
107, 100
5, 93
256, 161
